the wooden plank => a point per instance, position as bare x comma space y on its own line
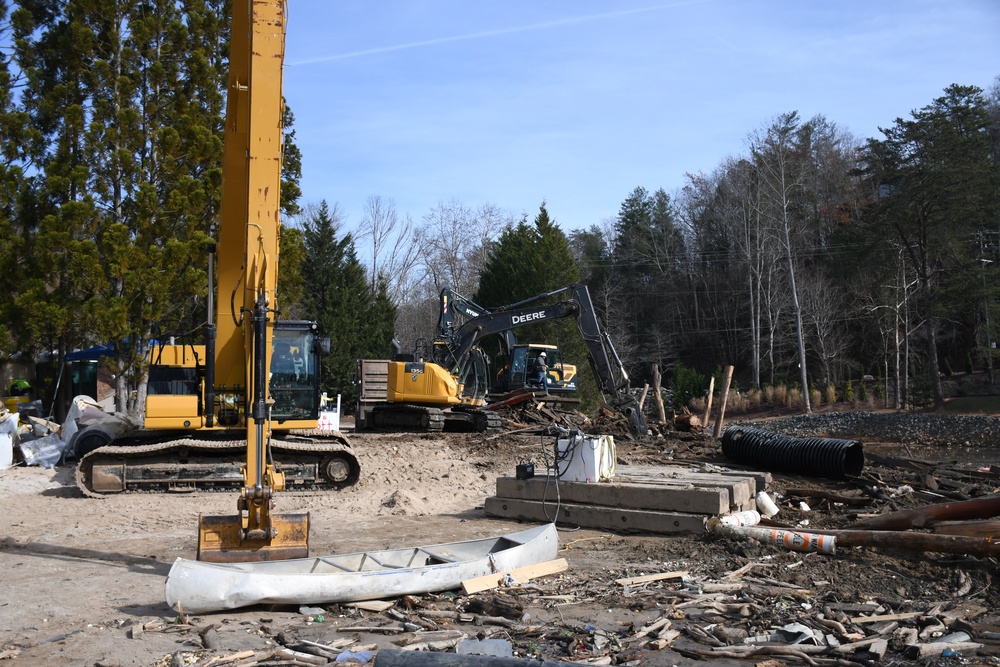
674, 496
519, 574
607, 518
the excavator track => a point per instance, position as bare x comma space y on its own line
311, 460
422, 418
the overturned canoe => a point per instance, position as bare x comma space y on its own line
196, 587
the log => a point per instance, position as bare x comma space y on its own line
985, 528
980, 508
708, 402
935, 649
658, 394
726, 380
397, 658
912, 541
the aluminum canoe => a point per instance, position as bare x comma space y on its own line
196, 587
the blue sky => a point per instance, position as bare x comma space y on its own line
578, 102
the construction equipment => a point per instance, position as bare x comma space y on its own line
241, 408
517, 357
431, 395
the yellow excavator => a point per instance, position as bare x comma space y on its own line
241, 409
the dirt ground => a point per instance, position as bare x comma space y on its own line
82, 579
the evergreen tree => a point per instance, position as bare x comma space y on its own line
338, 296
530, 260
937, 189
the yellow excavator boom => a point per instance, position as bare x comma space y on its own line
249, 220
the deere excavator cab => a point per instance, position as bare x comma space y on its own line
516, 372
513, 359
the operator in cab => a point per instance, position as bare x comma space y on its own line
540, 371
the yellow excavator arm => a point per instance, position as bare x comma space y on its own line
248, 271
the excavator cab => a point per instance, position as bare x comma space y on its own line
517, 372
295, 374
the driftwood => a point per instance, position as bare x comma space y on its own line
981, 508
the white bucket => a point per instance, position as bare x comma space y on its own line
590, 458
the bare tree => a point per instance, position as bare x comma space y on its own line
781, 183
455, 241
394, 255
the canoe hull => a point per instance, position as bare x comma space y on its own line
196, 587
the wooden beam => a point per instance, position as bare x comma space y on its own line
607, 518
666, 496
519, 575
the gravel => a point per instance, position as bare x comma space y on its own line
911, 428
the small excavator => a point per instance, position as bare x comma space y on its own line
242, 408
449, 393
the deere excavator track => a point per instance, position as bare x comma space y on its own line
310, 460
423, 418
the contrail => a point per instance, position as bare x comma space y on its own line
490, 33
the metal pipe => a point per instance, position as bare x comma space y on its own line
210, 336
819, 457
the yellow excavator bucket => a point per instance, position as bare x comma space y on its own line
222, 539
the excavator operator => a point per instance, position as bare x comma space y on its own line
540, 372
283, 365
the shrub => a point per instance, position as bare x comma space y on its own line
849, 391
737, 402
862, 390
686, 384
816, 397
794, 398
780, 395
831, 393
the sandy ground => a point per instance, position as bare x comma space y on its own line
78, 574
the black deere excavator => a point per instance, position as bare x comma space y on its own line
514, 373
241, 409
427, 395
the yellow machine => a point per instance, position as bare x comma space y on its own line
256, 378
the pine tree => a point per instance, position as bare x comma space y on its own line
530, 260
338, 296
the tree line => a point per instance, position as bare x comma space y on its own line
809, 258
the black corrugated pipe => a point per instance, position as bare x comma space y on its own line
819, 457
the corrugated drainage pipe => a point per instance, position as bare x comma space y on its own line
819, 457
